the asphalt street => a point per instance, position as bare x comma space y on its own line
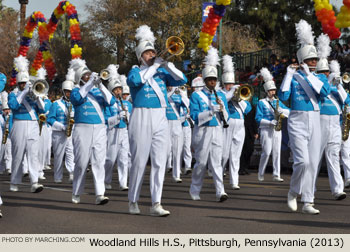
258, 207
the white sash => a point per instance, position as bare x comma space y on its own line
310, 93
152, 82
172, 104
334, 100
97, 107
29, 109
342, 93
204, 98
269, 107
238, 108
63, 107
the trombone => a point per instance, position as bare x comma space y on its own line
174, 46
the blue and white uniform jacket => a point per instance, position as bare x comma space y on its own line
20, 111
332, 104
58, 114
266, 109
148, 84
90, 107
299, 88
112, 114
201, 107
175, 106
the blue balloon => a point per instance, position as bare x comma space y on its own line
2, 81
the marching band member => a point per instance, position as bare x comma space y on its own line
25, 131
207, 106
117, 142
2, 86
148, 124
44, 134
6, 155
233, 135
270, 135
330, 117
60, 119
175, 141
197, 84
126, 145
305, 88
89, 99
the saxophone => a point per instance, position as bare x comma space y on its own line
70, 121
346, 124
6, 130
278, 116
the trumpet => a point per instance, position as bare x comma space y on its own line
105, 74
345, 78
174, 46
244, 92
40, 89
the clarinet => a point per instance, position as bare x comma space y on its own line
123, 108
221, 113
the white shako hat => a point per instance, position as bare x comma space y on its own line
68, 84
146, 40
80, 68
268, 79
21, 65
306, 41
197, 82
113, 81
229, 71
211, 62
334, 68
324, 50
126, 89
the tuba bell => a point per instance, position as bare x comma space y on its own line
40, 89
245, 92
345, 78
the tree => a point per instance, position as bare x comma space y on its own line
116, 22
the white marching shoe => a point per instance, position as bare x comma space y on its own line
177, 180
134, 208
13, 188
309, 209
292, 201
260, 177
75, 199
36, 188
340, 196
0, 214
158, 210
223, 197
277, 179
123, 188
195, 196
101, 200
236, 187
108, 186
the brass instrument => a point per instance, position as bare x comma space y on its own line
70, 121
346, 123
42, 120
174, 46
244, 92
278, 116
6, 130
40, 89
221, 113
105, 74
346, 78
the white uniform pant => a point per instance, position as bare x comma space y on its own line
90, 143
148, 135
25, 140
345, 158
117, 153
62, 147
271, 141
330, 145
207, 143
186, 151
176, 145
48, 145
305, 141
8, 155
233, 140
43, 146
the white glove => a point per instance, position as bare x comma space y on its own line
159, 61
215, 108
95, 79
28, 87
273, 122
122, 114
280, 110
291, 70
306, 69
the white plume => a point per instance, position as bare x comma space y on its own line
334, 67
144, 33
70, 75
75, 64
123, 80
228, 64
212, 58
21, 64
265, 73
323, 48
304, 33
41, 74
113, 70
